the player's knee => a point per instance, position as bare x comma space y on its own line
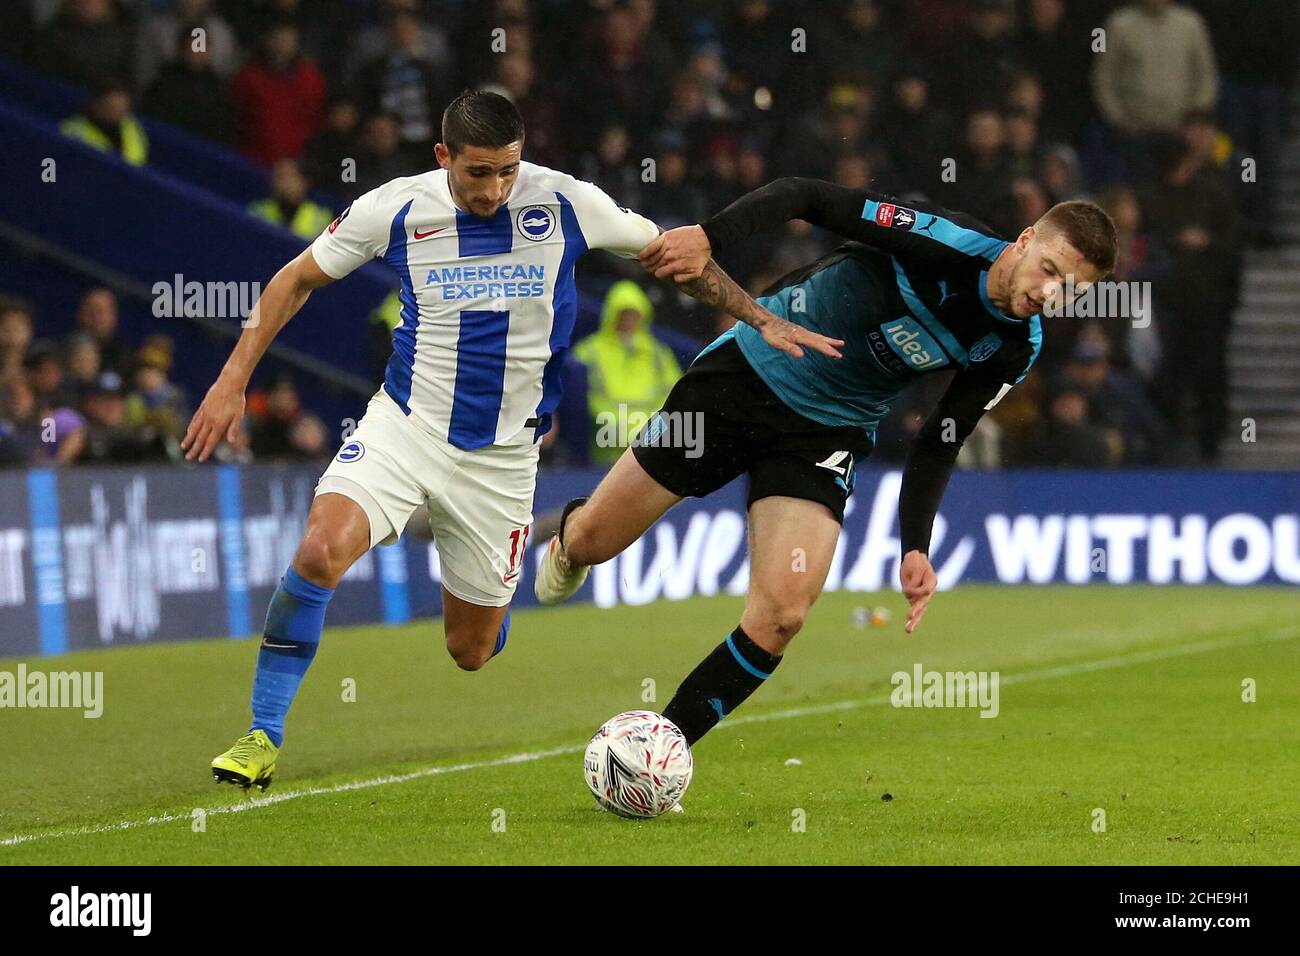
773, 626
469, 650
320, 559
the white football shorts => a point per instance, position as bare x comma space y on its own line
480, 503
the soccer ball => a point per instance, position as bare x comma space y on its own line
638, 764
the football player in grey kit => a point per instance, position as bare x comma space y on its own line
918, 289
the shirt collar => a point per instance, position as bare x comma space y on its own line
988, 303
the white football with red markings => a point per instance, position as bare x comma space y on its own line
638, 764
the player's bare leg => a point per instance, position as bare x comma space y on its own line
474, 632
338, 533
791, 546
624, 505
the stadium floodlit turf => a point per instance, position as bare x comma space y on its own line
1127, 701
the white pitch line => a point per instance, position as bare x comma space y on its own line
257, 803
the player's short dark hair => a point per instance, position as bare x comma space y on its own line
1088, 228
481, 118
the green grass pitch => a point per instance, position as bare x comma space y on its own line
1124, 700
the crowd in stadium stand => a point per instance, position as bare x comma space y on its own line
723, 96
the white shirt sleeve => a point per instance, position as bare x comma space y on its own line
607, 225
359, 234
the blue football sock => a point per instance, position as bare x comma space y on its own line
501, 638
293, 627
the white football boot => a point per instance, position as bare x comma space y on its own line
557, 579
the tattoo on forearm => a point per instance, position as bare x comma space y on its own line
718, 289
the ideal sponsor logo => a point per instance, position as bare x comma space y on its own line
75, 908
914, 345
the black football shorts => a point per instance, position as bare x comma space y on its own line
721, 420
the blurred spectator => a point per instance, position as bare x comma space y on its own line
156, 404
188, 92
1061, 174
1023, 151
373, 42
82, 366
842, 127
107, 124
97, 316
1158, 65
629, 371
380, 158
1143, 262
88, 43
983, 60
982, 186
919, 132
110, 439
403, 80
1194, 216
613, 169
1031, 204
1214, 151
45, 374
324, 156
308, 440
40, 414
15, 334
272, 413
1116, 401
671, 199
1054, 46
756, 44
19, 428
635, 67
1256, 44
279, 97
288, 205
516, 80
861, 48
1066, 439
165, 36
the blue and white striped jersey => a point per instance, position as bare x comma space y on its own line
488, 305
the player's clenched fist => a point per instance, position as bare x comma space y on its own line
680, 253
919, 582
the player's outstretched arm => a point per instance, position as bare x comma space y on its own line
718, 289
682, 252
222, 410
